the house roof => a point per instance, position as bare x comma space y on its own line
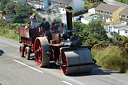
117, 25
1, 11
63, 1
124, 12
8, 16
15, 0
123, 28
126, 29
34, 2
120, 27
61, 6
107, 7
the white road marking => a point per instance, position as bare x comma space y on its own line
67, 82
27, 66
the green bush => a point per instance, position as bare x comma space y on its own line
80, 12
123, 1
111, 57
9, 30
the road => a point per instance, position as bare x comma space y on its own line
112, 2
15, 70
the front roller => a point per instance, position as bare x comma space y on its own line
76, 61
41, 47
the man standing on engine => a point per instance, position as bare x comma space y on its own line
44, 25
54, 25
34, 21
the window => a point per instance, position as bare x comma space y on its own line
126, 17
97, 11
110, 13
111, 19
125, 31
122, 16
102, 12
106, 13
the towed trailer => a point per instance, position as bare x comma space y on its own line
65, 48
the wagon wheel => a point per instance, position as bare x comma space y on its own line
41, 48
22, 49
27, 53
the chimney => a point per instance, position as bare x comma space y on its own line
69, 18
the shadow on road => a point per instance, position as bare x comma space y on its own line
53, 66
1, 52
96, 70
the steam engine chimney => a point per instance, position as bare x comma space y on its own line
69, 18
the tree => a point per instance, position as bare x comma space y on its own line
22, 12
18, 19
91, 34
10, 8
3, 3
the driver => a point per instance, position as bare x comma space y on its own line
44, 25
54, 25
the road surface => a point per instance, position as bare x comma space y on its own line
112, 2
15, 70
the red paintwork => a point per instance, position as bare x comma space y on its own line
20, 50
64, 68
24, 32
38, 56
27, 36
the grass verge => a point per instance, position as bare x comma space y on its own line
9, 30
9, 33
112, 58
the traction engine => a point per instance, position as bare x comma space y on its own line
65, 49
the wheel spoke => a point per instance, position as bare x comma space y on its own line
38, 49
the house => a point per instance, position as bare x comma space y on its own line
121, 29
21, 1
91, 11
62, 9
1, 13
88, 20
35, 4
45, 4
75, 4
60, 4
124, 16
8, 17
110, 13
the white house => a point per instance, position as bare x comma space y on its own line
61, 4
121, 29
21, 1
62, 9
8, 17
38, 5
91, 11
75, 4
88, 20
35, 4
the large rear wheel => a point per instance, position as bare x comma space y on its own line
41, 47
